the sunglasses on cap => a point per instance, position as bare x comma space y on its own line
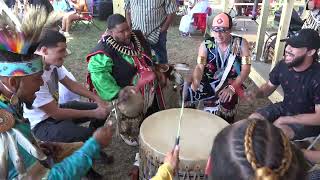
219, 29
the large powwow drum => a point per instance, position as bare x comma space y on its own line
157, 137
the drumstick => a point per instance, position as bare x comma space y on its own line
181, 111
314, 142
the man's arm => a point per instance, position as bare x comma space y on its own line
171, 9
128, 12
199, 69
128, 18
265, 90
245, 68
100, 68
57, 113
77, 165
77, 88
311, 119
165, 26
313, 156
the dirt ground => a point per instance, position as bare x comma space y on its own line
180, 50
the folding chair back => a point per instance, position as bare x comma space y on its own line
87, 17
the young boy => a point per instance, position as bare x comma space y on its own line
51, 121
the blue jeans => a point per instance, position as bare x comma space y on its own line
160, 48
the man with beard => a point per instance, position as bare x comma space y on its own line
298, 74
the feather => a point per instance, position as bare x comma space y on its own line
27, 145
53, 19
3, 158
33, 21
10, 28
4, 9
14, 154
18, 36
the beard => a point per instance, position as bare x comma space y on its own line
123, 42
296, 61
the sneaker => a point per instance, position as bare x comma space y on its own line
66, 34
129, 141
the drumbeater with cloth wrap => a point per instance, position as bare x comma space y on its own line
184, 90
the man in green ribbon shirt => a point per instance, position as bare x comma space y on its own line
121, 59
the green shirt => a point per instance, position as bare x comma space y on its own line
100, 68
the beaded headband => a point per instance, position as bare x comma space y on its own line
22, 68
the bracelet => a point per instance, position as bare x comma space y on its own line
201, 60
246, 60
232, 88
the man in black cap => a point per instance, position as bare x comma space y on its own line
298, 115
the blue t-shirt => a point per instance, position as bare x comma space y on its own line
62, 5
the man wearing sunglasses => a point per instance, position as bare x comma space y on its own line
223, 64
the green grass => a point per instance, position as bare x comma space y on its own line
84, 38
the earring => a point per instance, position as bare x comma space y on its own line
14, 100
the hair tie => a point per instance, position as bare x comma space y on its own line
265, 173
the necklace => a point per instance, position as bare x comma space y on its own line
223, 56
135, 51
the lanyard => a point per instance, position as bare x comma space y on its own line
224, 58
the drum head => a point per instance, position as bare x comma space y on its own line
198, 130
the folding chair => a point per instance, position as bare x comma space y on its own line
87, 17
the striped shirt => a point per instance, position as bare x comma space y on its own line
148, 16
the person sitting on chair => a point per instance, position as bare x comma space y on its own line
223, 65
298, 75
254, 149
122, 59
186, 26
73, 14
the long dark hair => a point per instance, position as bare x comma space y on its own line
255, 149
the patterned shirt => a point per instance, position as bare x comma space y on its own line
301, 89
149, 15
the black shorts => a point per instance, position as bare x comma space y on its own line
274, 111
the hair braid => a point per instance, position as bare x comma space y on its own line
287, 156
248, 145
262, 172
258, 150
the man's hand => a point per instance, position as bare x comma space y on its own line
50, 148
163, 29
195, 84
100, 112
103, 135
173, 159
225, 95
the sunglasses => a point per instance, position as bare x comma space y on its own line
219, 29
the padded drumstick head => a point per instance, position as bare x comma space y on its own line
130, 102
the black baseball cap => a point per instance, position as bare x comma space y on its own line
307, 38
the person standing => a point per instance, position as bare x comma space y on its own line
153, 18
